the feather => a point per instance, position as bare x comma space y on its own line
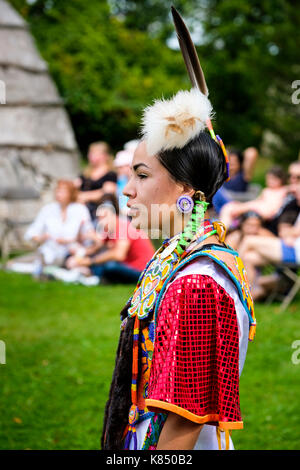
172, 123
189, 53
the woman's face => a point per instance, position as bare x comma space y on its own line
251, 226
62, 195
97, 155
106, 219
234, 164
273, 181
152, 194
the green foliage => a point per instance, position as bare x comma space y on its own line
105, 72
251, 50
110, 59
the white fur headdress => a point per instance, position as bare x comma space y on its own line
173, 123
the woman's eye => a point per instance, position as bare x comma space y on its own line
141, 176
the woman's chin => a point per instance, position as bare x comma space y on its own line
140, 224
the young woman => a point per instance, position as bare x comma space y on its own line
242, 166
98, 178
266, 205
60, 225
185, 330
251, 224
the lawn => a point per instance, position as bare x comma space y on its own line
60, 347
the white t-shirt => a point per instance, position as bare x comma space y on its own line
49, 221
207, 439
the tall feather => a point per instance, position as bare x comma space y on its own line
189, 53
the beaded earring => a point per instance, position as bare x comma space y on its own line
185, 204
196, 219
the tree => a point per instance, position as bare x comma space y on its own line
251, 52
105, 72
111, 58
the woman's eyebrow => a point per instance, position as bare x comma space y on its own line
135, 167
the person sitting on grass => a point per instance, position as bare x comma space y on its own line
59, 227
119, 252
251, 223
258, 251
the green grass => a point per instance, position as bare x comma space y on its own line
60, 348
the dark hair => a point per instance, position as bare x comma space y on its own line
119, 400
238, 153
200, 164
278, 172
249, 215
112, 199
288, 217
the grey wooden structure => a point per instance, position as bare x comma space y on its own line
37, 143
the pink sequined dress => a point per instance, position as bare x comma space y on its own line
201, 339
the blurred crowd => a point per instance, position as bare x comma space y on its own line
264, 227
85, 235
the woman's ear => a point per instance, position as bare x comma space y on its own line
188, 190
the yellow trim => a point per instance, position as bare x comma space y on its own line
150, 403
226, 439
219, 437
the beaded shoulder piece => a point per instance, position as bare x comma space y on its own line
231, 262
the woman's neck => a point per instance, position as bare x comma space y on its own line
99, 171
177, 226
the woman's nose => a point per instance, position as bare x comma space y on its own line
129, 189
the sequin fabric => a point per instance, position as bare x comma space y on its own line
195, 365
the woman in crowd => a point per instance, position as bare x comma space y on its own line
60, 226
241, 166
266, 205
258, 251
119, 252
251, 223
290, 204
98, 178
122, 163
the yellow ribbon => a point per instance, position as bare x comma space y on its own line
221, 230
227, 441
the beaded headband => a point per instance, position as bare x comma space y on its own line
219, 141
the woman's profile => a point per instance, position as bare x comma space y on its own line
185, 329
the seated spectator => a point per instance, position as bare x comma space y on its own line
120, 252
59, 226
289, 204
122, 164
251, 223
98, 178
266, 205
257, 251
241, 168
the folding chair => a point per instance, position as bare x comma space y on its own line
290, 271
